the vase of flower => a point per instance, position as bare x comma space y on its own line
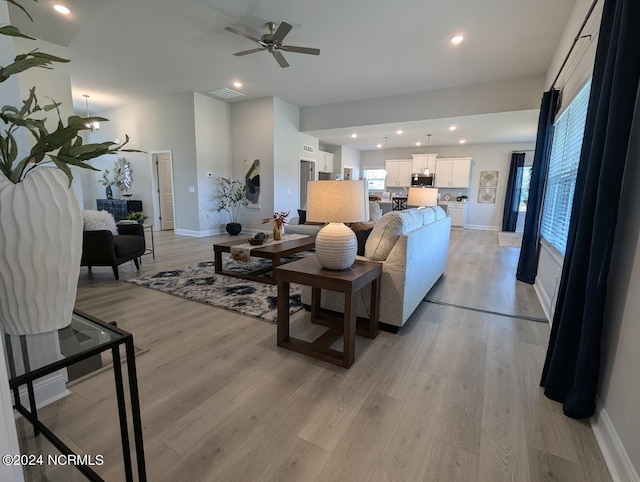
108, 192
277, 231
279, 220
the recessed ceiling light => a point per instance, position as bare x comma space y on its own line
237, 84
456, 39
61, 9
453, 128
399, 132
379, 146
462, 141
418, 143
354, 135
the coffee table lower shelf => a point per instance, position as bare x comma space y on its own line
350, 281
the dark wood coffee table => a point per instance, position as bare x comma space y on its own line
350, 281
273, 252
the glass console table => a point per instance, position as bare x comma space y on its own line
85, 339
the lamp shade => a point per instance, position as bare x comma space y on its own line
336, 201
422, 196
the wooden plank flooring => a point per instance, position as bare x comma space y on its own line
453, 396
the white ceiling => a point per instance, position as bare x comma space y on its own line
125, 51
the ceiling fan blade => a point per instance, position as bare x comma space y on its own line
243, 34
247, 52
283, 29
280, 58
300, 50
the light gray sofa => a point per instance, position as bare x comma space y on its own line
292, 227
413, 247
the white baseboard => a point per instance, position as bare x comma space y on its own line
480, 227
47, 389
616, 457
198, 234
545, 302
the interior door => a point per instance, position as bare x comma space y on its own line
165, 188
306, 174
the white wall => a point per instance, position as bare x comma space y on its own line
349, 157
252, 137
287, 150
165, 123
213, 154
485, 157
499, 96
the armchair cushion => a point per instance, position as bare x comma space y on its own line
99, 220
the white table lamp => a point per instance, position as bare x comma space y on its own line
422, 196
336, 202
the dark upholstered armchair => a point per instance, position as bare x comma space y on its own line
102, 248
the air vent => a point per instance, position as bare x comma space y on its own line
226, 93
308, 148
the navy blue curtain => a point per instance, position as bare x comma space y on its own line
572, 364
512, 195
530, 248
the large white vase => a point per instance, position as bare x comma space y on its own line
40, 251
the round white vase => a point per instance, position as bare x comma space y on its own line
40, 251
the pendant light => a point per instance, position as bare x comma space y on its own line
95, 125
426, 171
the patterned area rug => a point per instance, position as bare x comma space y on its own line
201, 283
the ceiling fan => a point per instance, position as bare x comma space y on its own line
272, 43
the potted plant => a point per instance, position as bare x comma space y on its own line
229, 197
138, 216
41, 235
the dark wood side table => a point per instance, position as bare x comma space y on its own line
350, 281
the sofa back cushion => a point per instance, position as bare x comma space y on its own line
440, 214
386, 232
375, 211
98, 221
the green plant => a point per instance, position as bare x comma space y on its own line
137, 216
64, 146
230, 196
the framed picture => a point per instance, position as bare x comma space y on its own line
252, 182
489, 179
386, 197
487, 195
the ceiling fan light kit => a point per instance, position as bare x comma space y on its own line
272, 43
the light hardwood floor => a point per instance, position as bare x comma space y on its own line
453, 396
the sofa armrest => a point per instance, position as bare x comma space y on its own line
97, 247
294, 221
135, 229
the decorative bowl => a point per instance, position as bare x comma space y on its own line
256, 242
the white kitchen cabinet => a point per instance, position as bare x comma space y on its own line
325, 161
453, 172
424, 161
398, 173
458, 214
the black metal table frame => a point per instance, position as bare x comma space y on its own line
32, 416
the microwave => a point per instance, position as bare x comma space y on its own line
421, 180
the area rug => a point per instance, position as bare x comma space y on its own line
201, 283
509, 240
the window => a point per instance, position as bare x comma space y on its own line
525, 174
563, 168
375, 179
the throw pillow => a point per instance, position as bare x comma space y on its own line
98, 221
362, 235
302, 214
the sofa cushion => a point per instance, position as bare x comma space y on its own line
387, 231
362, 235
302, 215
375, 211
440, 214
98, 221
428, 215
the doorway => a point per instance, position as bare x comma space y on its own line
162, 168
347, 174
307, 173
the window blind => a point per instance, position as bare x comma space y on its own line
563, 168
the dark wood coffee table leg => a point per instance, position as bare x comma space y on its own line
349, 334
217, 260
283, 312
